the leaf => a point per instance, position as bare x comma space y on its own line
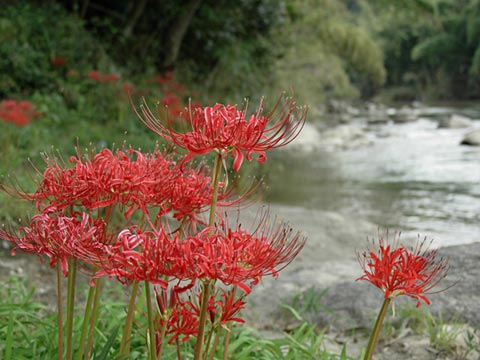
433, 47
108, 345
9, 340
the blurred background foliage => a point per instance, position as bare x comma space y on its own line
81, 63
225, 51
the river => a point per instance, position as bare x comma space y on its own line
412, 177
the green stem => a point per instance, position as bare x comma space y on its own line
215, 343
72, 273
151, 332
163, 331
233, 292
179, 350
202, 321
208, 342
376, 329
217, 168
227, 341
93, 318
86, 321
127, 330
60, 311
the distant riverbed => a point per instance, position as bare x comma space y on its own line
411, 176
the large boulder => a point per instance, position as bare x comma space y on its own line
472, 138
455, 121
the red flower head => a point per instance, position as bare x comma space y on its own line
59, 238
398, 270
103, 78
238, 257
94, 75
142, 255
59, 61
18, 112
226, 129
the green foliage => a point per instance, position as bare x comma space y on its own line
432, 45
31, 37
429, 49
28, 331
328, 53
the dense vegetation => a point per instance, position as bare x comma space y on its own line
78, 62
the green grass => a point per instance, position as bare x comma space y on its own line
28, 330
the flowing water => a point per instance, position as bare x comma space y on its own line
413, 177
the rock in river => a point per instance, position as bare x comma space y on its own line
472, 138
455, 121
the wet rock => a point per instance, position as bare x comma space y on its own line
455, 121
472, 139
345, 137
405, 114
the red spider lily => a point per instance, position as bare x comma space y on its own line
128, 89
237, 257
103, 78
165, 78
59, 238
234, 257
59, 61
182, 315
129, 179
18, 112
229, 307
142, 255
107, 179
227, 129
182, 322
397, 270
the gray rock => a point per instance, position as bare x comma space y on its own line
345, 137
405, 114
355, 304
455, 121
472, 138
350, 304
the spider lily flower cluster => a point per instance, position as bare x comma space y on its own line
154, 218
398, 270
19, 113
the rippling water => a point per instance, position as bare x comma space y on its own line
413, 177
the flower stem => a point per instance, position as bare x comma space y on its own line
127, 330
93, 318
228, 327
163, 331
227, 340
217, 168
151, 332
215, 343
202, 321
179, 350
72, 273
86, 322
376, 329
60, 311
